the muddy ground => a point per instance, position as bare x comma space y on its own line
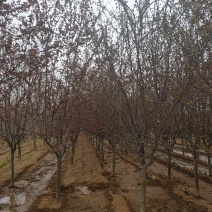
88, 186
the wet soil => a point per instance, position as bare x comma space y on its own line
186, 160
31, 175
87, 185
30, 184
177, 194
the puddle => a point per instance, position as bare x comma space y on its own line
20, 199
5, 200
82, 190
10, 201
31, 187
184, 164
201, 157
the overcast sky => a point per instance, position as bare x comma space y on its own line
111, 4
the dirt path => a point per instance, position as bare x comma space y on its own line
85, 186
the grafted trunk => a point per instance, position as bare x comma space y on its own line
143, 189
169, 163
12, 166
59, 168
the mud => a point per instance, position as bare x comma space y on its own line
29, 186
177, 194
88, 186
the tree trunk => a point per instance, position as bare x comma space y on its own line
93, 140
169, 163
72, 152
96, 141
19, 151
143, 189
196, 174
34, 143
209, 163
59, 168
126, 151
12, 168
113, 160
102, 149
182, 146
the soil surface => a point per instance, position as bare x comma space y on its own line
177, 194
32, 173
88, 186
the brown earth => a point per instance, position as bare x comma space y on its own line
28, 158
84, 186
177, 194
88, 186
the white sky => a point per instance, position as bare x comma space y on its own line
111, 4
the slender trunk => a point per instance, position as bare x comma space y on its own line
126, 151
196, 174
96, 142
182, 146
19, 151
72, 152
34, 143
102, 150
143, 189
93, 140
113, 160
59, 167
12, 168
169, 163
209, 164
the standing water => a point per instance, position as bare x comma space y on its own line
28, 189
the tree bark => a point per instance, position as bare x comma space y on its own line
34, 143
102, 149
19, 151
196, 174
72, 152
143, 189
113, 160
12, 168
126, 151
169, 163
182, 146
59, 168
209, 163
